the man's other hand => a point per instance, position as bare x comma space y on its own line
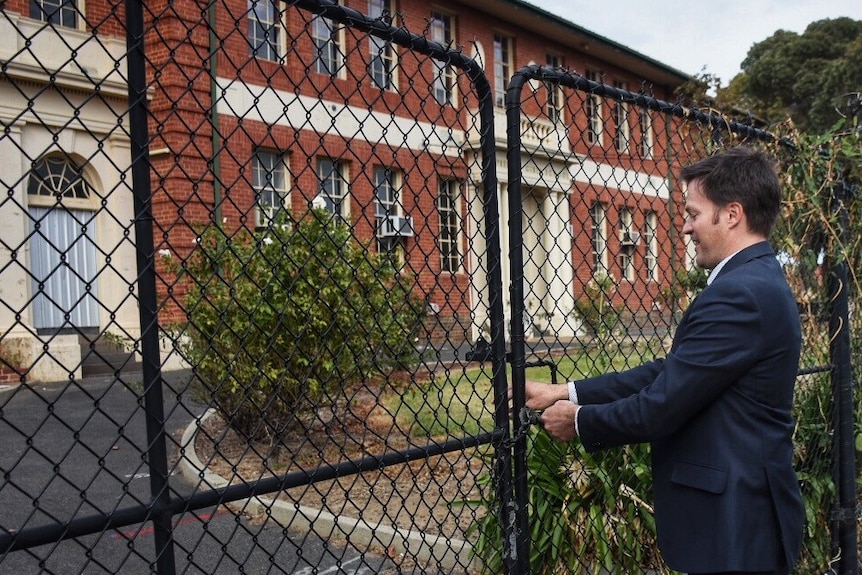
559, 420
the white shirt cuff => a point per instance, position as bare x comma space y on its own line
573, 393
573, 397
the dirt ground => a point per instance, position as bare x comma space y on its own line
425, 495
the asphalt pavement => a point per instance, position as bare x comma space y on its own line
74, 449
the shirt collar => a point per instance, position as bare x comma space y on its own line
717, 269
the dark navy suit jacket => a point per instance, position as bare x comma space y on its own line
717, 412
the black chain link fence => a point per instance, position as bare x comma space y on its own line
254, 316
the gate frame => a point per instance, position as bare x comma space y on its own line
846, 512
162, 506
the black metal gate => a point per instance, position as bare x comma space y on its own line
614, 234
303, 336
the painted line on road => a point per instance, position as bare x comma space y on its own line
150, 529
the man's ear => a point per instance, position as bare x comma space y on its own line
735, 214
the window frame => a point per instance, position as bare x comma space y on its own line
647, 139
626, 255
61, 9
449, 219
504, 46
651, 241
554, 106
392, 246
599, 238
275, 49
266, 213
336, 175
593, 105
444, 85
622, 134
383, 58
58, 180
327, 36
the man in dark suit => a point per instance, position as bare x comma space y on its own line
717, 409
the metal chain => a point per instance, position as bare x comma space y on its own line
526, 418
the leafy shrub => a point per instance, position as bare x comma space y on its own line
278, 319
596, 307
587, 511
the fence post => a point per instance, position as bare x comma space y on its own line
157, 455
844, 515
517, 535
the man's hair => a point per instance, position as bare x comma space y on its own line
743, 175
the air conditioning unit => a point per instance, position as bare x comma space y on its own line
629, 238
395, 227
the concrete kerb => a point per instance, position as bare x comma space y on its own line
448, 552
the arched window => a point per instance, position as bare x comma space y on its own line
62, 246
58, 177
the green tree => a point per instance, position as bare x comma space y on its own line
803, 76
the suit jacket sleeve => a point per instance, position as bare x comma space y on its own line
613, 386
713, 348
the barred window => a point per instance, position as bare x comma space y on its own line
447, 209
381, 64
502, 67
555, 96
443, 87
59, 12
271, 187
621, 121
598, 219
329, 55
332, 175
264, 29
594, 112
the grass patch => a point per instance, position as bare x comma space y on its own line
458, 402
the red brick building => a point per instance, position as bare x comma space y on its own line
259, 107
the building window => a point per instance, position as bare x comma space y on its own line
628, 241
554, 107
387, 208
265, 30
594, 112
59, 12
598, 219
646, 142
386, 192
502, 67
271, 187
329, 56
621, 121
58, 178
381, 64
651, 241
444, 75
447, 209
332, 175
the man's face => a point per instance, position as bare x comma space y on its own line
704, 225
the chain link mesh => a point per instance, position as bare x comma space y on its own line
283, 349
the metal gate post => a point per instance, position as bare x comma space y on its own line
157, 456
519, 525
844, 516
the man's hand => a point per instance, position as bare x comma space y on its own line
559, 419
542, 395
